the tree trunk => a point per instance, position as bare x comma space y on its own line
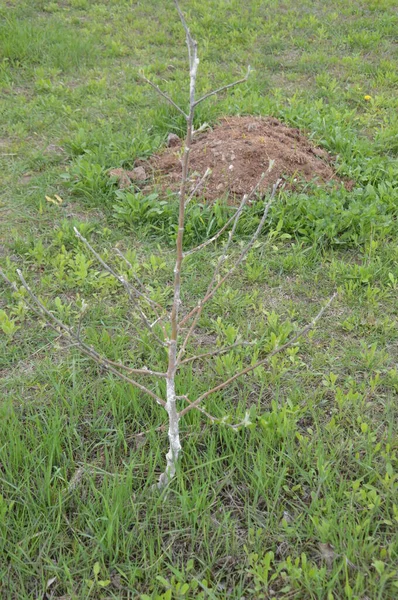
174, 433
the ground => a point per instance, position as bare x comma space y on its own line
302, 504
239, 151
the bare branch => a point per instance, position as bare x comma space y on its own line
198, 186
224, 87
156, 307
144, 295
201, 303
246, 250
214, 419
199, 408
131, 290
217, 235
189, 39
197, 311
11, 284
107, 364
183, 21
261, 362
213, 353
164, 95
142, 371
234, 217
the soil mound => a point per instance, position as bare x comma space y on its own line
238, 150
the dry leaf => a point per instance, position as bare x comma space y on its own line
287, 518
50, 582
327, 553
57, 202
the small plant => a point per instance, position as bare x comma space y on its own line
97, 582
7, 325
181, 585
287, 576
172, 330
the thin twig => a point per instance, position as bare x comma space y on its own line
189, 39
242, 256
142, 371
145, 295
200, 304
261, 362
88, 350
131, 290
212, 418
235, 217
199, 408
221, 260
211, 289
212, 353
198, 186
224, 87
217, 235
164, 95
156, 307
10, 283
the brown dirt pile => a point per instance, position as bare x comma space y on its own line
238, 151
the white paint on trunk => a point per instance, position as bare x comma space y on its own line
174, 435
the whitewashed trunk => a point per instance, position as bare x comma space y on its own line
174, 435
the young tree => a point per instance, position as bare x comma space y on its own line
176, 336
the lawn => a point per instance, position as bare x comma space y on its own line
301, 504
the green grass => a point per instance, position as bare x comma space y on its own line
304, 503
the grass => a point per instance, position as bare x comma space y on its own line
304, 503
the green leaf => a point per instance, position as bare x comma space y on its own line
190, 565
184, 589
379, 566
162, 580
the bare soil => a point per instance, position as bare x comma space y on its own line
238, 150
